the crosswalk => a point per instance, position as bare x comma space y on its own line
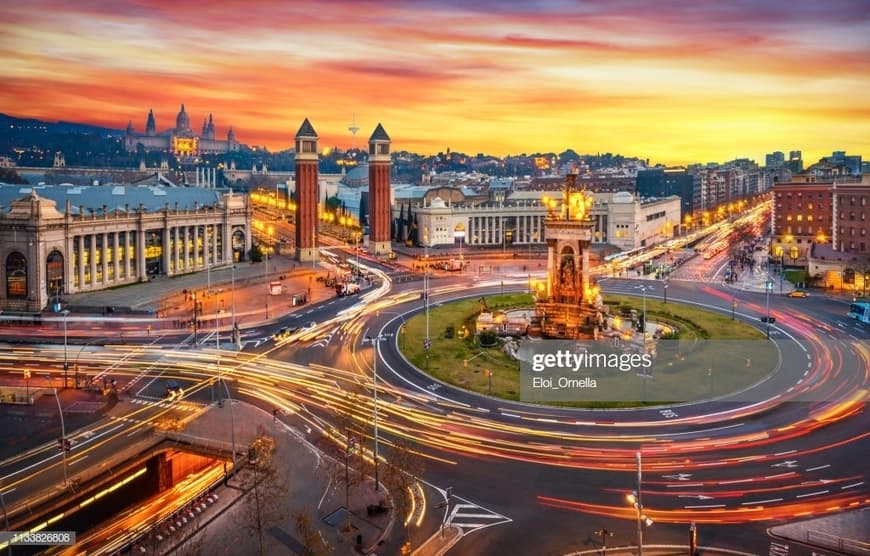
472, 517
778, 549
183, 406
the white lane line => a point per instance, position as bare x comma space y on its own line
757, 502
819, 467
706, 506
812, 494
859, 483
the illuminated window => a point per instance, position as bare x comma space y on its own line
800, 217
810, 206
809, 218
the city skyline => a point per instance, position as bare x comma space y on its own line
675, 84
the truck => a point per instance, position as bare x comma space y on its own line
347, 288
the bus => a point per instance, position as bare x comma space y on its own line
860, 311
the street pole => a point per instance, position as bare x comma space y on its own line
733, 306
63, 437
267, 282
375, 342
767, 287
666, 292
232, 423
427, 343
639, 504
65, 360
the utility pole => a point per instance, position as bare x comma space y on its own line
375, 341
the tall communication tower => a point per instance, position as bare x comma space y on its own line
353, 129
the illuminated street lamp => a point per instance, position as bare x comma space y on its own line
427, 342
375, 341
65, 360
635, 499
644, 289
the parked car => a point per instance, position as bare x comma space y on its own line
797, 293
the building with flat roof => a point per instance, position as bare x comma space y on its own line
57, 239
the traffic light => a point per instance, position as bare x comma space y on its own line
770, 320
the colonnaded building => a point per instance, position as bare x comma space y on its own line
57, 239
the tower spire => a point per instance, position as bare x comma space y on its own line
353, 131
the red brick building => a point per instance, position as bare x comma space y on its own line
807, 211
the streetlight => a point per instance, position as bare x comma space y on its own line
427, 342
27, 385
63, 442
666, 292
635, 500
767, 287
65, 360
375, 343
644, 289
236, 335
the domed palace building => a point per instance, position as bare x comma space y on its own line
180, 140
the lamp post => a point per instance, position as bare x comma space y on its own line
235, 332
644, 289
427, 342
232, 423
65, 360
666, 292
267, 282
27, 385
63, 443
767, 287
636, 500
375, 341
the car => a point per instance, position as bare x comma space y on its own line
281, 333
797, 293
309, 325
173, 389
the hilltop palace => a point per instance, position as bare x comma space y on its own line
180, 140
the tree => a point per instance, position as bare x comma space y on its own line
400, 472
265, 504
313, 543
256, 254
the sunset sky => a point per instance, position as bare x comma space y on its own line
676, 82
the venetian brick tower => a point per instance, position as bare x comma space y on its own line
379, 192
306, 193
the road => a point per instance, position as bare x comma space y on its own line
540, 480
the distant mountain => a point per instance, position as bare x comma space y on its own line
10, 125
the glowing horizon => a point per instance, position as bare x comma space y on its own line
696, 83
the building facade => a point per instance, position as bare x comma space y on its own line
620, 219
56, 240
807, 211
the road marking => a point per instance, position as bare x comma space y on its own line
811, 494
778, 549
684, 485
859, 483
819, 467
758, 502
787, 463
705, 506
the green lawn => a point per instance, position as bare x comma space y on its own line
459, 360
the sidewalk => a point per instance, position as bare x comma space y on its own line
755, 279
847, 532
166, 305
311, 490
